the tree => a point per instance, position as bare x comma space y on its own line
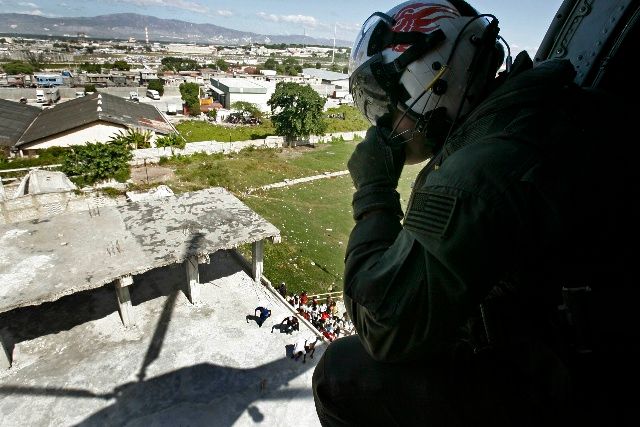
190, 93
222, 64
17, 67
270, 64
89, 88
121, 65
179, 64
296, 111
91, 68
156, 84
248, 108
172, 140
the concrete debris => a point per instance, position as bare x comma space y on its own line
39, 181
155, 193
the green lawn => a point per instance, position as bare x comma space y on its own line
256, 167
314, 219
196, 130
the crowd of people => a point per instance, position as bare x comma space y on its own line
323, 315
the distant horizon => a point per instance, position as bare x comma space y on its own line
523, 24
304, 38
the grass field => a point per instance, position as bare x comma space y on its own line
315, 218
196, 130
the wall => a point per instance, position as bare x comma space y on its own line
35, 206
15, 94
98, 131
153, 155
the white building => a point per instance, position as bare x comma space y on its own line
92, 118
230, 90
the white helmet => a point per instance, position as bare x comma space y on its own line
421, 56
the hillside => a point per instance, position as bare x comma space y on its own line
125, 25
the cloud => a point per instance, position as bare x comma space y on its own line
224, 12
292, 19
178, 4
28, 4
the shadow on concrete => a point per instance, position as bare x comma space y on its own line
202, 394
27, 323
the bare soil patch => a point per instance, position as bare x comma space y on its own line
151, 174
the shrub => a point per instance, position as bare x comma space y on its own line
90, 88
133, 138
93, 162
171, 140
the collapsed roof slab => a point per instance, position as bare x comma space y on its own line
43, 260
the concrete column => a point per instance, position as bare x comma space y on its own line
5, 355
193, 279
257, 260
124, 300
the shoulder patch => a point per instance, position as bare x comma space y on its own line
430, 213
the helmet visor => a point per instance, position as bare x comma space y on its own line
368, 95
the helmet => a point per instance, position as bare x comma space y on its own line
422, 56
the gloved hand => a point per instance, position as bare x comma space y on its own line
375, 168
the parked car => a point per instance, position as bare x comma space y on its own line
153, 94
80, 94
133, 96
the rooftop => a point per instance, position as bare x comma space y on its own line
91, 108
14, 119
238, 85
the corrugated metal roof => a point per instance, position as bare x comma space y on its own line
83, 111
14, 119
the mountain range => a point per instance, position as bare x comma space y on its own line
125, 25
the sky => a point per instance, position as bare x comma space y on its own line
522, 22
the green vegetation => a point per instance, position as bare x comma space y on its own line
171, 140
46, 156
254, 167
247, 107
314, 219
196, 130
296, 111
179, 64
121, 65
156, 84
89, 88
91, 68
190, 93
132, 138
17, 67
222, 65
93, 162
353, 120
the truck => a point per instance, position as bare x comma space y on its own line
172, 109
52, 95
40, 96
133, 96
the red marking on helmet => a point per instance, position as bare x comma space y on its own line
422, 17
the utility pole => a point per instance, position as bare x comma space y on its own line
333, 52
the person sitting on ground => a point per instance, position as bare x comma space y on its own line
264, 314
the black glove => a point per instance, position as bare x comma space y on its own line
375, 168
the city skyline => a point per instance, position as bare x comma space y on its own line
523, 24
